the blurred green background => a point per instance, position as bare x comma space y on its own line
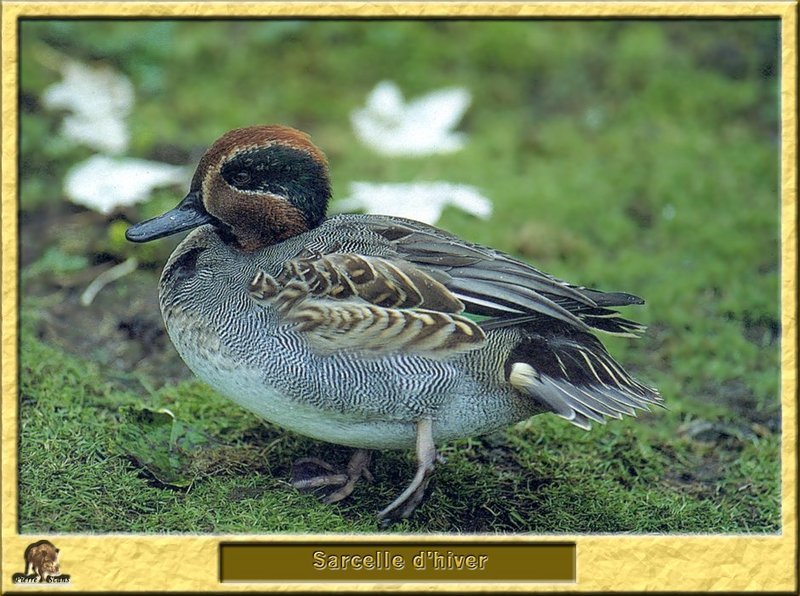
625, 155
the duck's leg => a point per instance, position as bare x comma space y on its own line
357, 468
408, 500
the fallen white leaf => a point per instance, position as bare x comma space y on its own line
99, 100
668, 212
422, 201
423, 126
104, 183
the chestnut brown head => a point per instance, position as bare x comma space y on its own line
258, 185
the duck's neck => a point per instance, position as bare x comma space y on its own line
257, 220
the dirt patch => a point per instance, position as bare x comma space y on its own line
739, 396
762, 331
123, 333
122, 328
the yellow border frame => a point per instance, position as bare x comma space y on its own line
605, 563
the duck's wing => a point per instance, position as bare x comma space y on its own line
382, 281
493, 284
368, 303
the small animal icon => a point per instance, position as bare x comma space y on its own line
41, 559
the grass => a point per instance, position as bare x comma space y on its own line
538, 477
651, 167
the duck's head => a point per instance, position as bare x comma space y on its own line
258, 185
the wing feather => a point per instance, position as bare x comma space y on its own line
374, 305
494, 284
391, 283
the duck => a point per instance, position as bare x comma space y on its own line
370, 331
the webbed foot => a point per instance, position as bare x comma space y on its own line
304, 475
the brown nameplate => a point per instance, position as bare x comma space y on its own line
424, 562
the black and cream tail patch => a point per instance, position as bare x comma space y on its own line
576, 378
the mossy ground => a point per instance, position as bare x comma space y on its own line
637, 156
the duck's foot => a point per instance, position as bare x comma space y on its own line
404, 505
309, 473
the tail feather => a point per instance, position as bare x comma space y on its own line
572, 374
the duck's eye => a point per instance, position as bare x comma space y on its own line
241, 177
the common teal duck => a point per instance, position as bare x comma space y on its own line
370, 331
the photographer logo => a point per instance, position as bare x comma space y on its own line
41, 565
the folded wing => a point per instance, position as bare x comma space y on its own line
372, 304
495, 285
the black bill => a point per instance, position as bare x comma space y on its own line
188, 214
